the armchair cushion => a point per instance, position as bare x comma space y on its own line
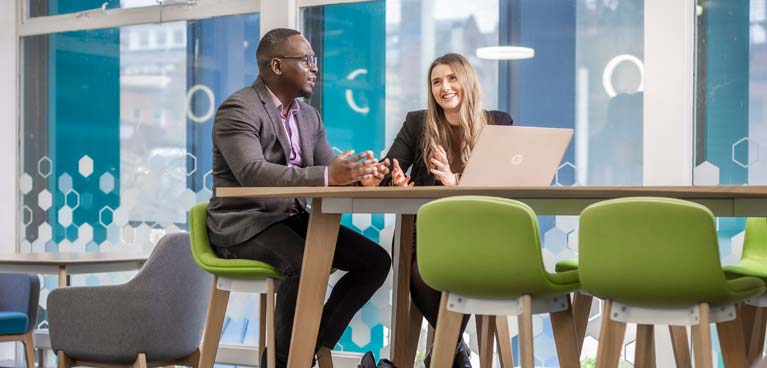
13, 323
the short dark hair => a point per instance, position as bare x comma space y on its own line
271, 45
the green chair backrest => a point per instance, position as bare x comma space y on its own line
650, 252
755, 241
207, 259
481, 247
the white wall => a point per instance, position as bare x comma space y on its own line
669, 48
8, 119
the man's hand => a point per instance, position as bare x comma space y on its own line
381, 169
398, 177
346, 169
440, 167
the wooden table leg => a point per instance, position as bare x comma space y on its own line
644, 353
402, 254
485, 339
413, 335
732, 343
63, 277
581, 311
321, 240
681, 346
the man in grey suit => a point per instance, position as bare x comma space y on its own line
264, 135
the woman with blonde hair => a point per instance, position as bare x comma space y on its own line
435, 144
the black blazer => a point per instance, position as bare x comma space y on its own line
407, 146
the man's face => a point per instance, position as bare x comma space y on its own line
299, 70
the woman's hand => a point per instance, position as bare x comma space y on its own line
440, 167
398, 177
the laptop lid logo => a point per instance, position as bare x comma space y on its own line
517, 159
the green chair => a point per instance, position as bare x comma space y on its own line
656, 261
753, 262
238, 275
484, 254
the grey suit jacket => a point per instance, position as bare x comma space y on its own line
251, 149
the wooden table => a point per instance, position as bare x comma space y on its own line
329, 203
66, 264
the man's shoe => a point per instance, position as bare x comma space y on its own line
461, 360
462, 356
279, 363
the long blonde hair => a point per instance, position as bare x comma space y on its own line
472, 113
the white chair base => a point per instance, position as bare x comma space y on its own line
453, 306
616, 315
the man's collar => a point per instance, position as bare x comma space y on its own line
294, 107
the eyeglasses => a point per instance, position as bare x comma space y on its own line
306, 60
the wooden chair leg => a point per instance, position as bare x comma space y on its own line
681, 345
261, 324
644, 355
485, 333
747, 315
755, 339
140, 361
430, 336
195, 359
214, 323
565, 337
732, 343
526, 355
503, 339
191, 360
701, 339
581, 312
29, 349
610, 338
271, 357
64, 360
448, 327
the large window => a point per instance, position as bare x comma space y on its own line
731, 104
731, 91
116, 126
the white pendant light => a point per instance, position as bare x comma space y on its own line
505, 53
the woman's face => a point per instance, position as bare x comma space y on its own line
445, 88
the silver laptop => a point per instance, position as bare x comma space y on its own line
514, 156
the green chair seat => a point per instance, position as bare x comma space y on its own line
485, 247
748, 267
567, 265
207, 259
744, 287
753, 261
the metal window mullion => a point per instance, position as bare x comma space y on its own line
94, 20
306, 3
209, 9
113, 18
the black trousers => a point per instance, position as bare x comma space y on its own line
282, 246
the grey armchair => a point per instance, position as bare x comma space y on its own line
19, 295
154, 319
